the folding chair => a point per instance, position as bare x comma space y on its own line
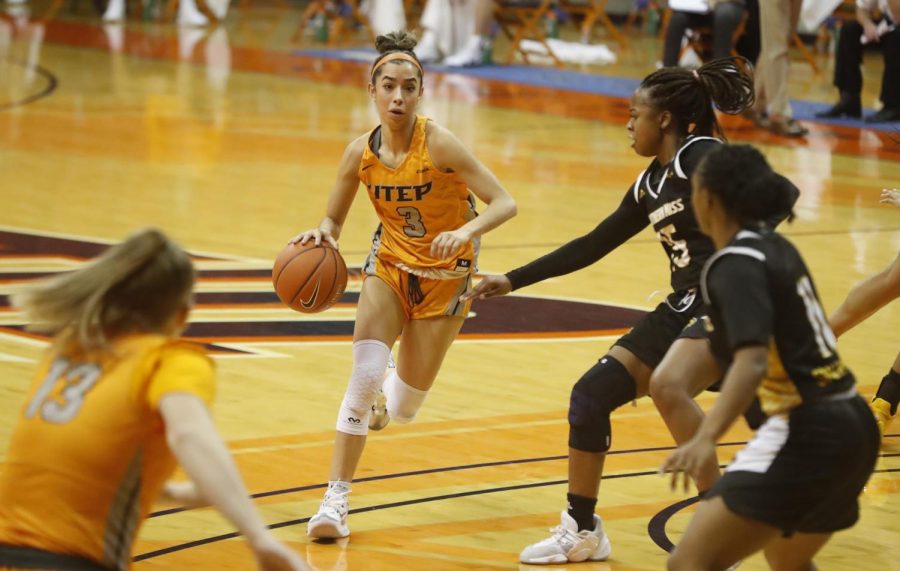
524, 20
804, 51
336, 18
591, 11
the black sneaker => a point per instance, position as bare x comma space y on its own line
843, 108
886, 115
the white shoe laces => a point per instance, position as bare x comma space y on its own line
561, 534
334, 505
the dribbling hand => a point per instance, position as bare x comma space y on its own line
315, 234
489, 286
890, 196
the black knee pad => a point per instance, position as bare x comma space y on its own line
601, 390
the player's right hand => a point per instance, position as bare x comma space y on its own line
489, 286
272, 555
315, 234
870, 31
890, 196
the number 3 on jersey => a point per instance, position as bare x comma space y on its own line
414, 227
61, 406
679, 249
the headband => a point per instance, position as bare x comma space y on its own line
392, 56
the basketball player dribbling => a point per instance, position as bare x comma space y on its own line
418, 176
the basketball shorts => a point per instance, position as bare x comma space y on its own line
420, 297
14, 558
678, 316
804, 470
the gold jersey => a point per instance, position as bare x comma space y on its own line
415, 202
89, 455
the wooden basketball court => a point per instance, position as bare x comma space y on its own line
229, 140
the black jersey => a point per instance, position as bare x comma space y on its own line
663, 192
759, 292
661, 196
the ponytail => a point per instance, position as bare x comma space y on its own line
137, 286
692, 96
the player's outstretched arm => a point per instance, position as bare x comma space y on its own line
193, 439
866, 298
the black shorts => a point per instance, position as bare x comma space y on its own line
804, 471
677, 317
20, 557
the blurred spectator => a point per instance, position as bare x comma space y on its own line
777, 23
188, 12
455, 32
855, 34
723, 16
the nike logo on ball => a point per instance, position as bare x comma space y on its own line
312, 299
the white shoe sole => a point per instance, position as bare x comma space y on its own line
603, 552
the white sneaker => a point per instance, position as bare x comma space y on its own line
190, 16
330, 522
427, 51
470, 55
568, 545
115, 11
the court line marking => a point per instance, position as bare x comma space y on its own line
231, 535
52, 84
300, 521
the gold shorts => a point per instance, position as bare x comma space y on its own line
420, 297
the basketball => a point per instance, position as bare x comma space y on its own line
309, 278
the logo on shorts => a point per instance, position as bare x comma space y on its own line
353, 420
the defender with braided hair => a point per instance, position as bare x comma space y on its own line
673, 121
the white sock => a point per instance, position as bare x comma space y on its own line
403, 401
339, 486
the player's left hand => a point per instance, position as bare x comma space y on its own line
448, 243
688, 459
890, 196
184, 493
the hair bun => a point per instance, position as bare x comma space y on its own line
395, 41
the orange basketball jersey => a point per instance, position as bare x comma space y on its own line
415, 202
89, 456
